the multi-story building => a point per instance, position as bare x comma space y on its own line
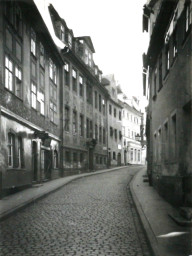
131, 133
114, 123
29, 87
169, 121
84, 117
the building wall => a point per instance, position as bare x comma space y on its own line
169, 113
20, 121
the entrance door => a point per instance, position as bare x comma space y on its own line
46, 164
119, 159
34, 160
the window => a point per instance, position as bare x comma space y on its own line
81, 86
18, 82
53, 112
11, 149
99, 102
86, 56
104, 136
20, 153
131, 154
67, 159
42, 80
42, 55
115, 134
159, 146
89, 93
33, 42
100, 134
62, 33
8, 73
120, 115
95, 99
96, 132
67, 119
111, 131
55, 159
87, 123
120, 135
53, 91
18, 20
66, 68
74, 121
81, 124
114, 156
18, 51
110, 109
42, 103
33, 95
74, 79
33, 69
115, 112
90, 59
52, 71
81, 157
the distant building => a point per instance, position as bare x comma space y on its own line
167, 66
115, 157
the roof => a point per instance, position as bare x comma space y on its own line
89, 42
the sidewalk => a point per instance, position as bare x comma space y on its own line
159, 227
14, 202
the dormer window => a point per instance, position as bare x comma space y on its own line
86, 56
62, 33
90, 59
70, 40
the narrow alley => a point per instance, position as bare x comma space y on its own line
90, 216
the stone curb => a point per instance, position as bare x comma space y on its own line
146, 225
43, 194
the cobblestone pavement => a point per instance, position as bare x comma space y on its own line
92, 216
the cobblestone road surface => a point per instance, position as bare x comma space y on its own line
92, 216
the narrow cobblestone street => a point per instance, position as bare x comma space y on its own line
90, 216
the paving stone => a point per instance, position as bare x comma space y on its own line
91, 216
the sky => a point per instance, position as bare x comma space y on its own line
115, 28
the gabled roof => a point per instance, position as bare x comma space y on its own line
89, 42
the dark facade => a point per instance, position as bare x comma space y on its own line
169, 114
29, 89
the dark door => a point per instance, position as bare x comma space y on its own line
34, 160
119, 159
47, 164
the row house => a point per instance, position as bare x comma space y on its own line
84, 117
30, 83
167, 66
115, 157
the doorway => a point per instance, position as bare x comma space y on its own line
34, 160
